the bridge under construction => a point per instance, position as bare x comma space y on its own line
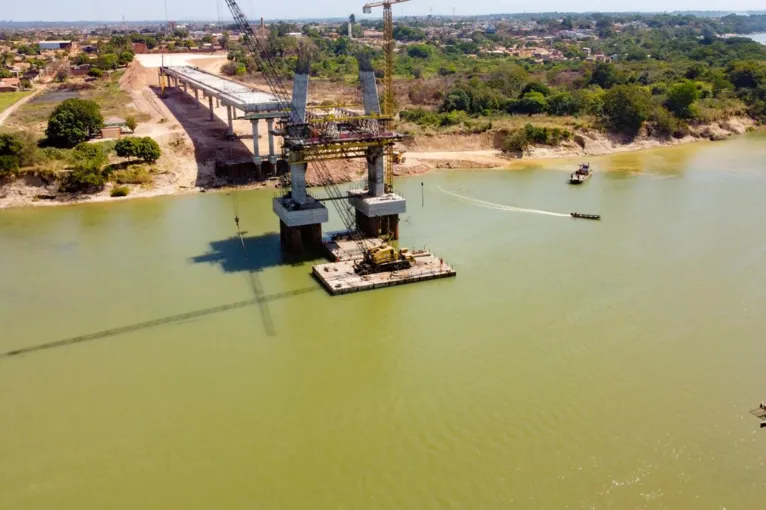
363, 257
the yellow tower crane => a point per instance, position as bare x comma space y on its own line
388, 79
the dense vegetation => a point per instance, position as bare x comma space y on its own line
660, 71
84, 168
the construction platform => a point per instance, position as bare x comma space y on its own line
340, 278
760, 413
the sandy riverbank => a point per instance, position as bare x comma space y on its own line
421, 157
191, 144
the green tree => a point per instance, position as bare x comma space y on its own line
131, 122
604, 75
5, 73
95, 72
458, 99
563, 103
681, 98
125, 58
626, 107
148, 150
127, 147
420, 51
531, 103
74, 121
746, 74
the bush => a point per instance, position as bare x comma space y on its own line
74, 121
9, 165
95, 73
516, 142
119, 191
21, 147
229, 68
86, 177
546, 136
664, 122
131, 122
132, 176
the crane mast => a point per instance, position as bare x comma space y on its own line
388, 79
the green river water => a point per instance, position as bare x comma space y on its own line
571, 364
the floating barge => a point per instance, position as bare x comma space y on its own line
581, 175
760, 413
339, 277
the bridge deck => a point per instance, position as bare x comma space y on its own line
230, 92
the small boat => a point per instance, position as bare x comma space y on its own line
585, 216
581, 175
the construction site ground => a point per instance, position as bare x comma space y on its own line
339, 277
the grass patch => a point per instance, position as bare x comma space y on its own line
7, 99
119, 191
133, 175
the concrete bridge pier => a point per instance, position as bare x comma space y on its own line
272, 153
196, 96
230, 119
256, 150
377, 212
210, 107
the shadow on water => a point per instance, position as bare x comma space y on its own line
260, 252
156, 323
251, 254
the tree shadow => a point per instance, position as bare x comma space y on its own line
220, 159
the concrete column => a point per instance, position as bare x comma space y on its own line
231, 120
256, 150
186, 88
210, 107
272, 154
375, 172
196, 96
217, 103
298, 182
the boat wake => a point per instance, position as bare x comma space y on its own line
501, 207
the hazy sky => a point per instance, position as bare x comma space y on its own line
136, 10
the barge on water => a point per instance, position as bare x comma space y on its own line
581, 175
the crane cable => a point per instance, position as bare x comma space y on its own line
235, 204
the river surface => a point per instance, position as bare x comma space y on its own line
760, 37
145, 363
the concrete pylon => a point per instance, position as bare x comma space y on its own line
210, 107
370, 96
300, 97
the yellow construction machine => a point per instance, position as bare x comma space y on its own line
384, 258
398, 157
